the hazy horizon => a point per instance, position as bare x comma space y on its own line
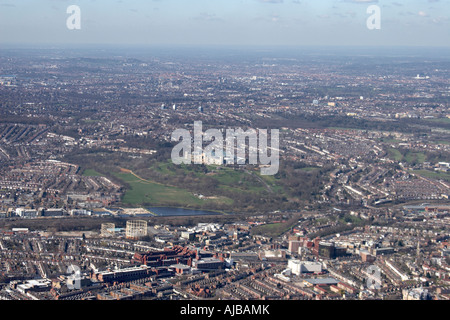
227, 22
230, 51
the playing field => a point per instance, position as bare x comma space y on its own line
433, 174
143, 191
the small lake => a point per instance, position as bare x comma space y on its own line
170, 212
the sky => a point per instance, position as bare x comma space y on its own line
227, 22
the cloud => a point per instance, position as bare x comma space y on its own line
362, 1
271, 1
204, 16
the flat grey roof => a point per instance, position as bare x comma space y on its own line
326, 281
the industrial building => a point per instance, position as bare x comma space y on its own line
181, 268
209, 264
35, 285
30, 213
122, 275
167, 257
320, 282
53, 212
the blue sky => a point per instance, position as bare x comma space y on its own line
227, 22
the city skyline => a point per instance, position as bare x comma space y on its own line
235, 22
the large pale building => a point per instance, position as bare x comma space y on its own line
298, 267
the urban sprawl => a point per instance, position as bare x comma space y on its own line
87, 183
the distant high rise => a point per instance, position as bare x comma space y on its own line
174, 107
294, 245
418, 260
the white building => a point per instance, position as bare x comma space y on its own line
298, 267
80, 212
416, 294
22, 212
34, 285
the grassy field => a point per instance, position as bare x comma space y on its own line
441, 142
410, 157
274, 184
433, 174
415, 156
228, 177
389, 140
161, 183
350, 219
395, 154
228, 182
144, 191
272, 230
309, 169
92, 173
440, 120
275, 229
163, 168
